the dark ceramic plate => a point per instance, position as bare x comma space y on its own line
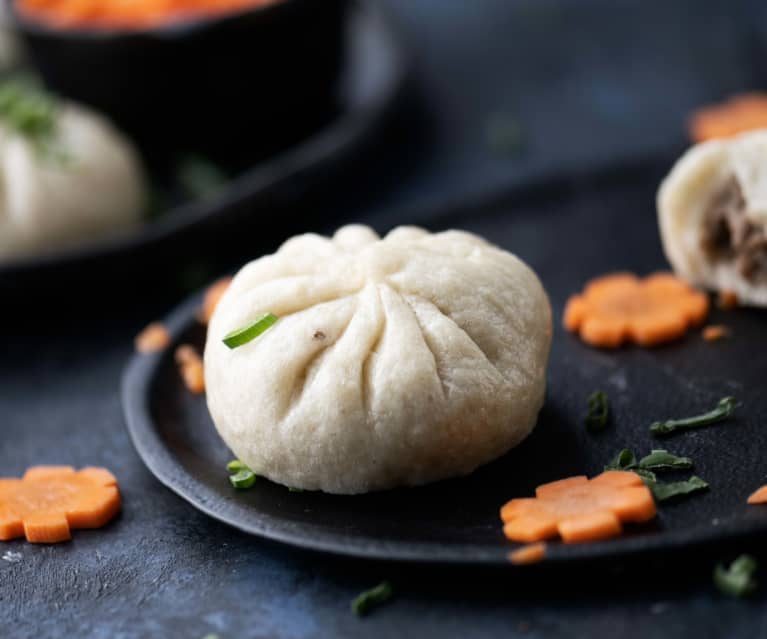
568, 232
372, 80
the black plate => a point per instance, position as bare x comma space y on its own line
373, 78
568, 232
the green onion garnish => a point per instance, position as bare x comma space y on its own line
737, 580
658, 460
662, 492
370, 598
250, 332
599, 411
243, 478
240, 475
723, 410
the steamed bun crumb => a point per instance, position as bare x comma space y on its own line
395, 361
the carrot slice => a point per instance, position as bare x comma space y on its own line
579, 509
48, 501
191, 368
740, 113
620, 307
715, 332
759, 496
528, 554
727, 300
212, 297
153, 338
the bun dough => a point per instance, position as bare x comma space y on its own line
88, 185
395, 361
689, 195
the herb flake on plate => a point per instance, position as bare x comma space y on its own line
724, 409
598, 411
365, 601
737, 580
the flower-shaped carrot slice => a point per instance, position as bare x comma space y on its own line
759, 496
49, 500
578, 509
620, 307
740, 113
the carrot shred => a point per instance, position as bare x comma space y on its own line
740, 113
620, 307
579, 509
715, 332
727, 300
528, 554
759, 496
48, 501
153, 338
191, 367
212, 297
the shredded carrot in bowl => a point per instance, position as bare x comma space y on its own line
620, 307
128, 14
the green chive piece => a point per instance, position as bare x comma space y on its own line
738, 579
662, 492
599, 411
363, 602
243, 478
624, 460
723, 410
660, 459
236, 465
248, 333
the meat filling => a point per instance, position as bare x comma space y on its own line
729, 235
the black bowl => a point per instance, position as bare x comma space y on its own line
235, 88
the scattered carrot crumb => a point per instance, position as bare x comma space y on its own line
715, 332
621, 307
528, 554
191, 368
153, 338
739, 113
727, 300
759, 496
50, 500
212, 297
578, 509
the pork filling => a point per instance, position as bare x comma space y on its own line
729, 235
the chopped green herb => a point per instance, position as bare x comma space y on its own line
27, 110
248, 333
236, 465
199, 177
659, 459
723, 410
624, 460
243, 478
662, 492
370, 598
737, 580
295, 490
599, 411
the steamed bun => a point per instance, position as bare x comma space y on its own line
87, 182
712, 211
395, 361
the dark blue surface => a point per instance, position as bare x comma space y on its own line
593, 84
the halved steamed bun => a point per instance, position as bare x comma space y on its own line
395, 361
712, 211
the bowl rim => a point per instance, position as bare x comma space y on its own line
173, 29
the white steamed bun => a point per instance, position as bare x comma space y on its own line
395, 361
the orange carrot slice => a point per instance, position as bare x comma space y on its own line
191, 368
759, 496
48, 501
528, 554
579, 509
620, 307
153, 338
740, 113
727, 300
212, 298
